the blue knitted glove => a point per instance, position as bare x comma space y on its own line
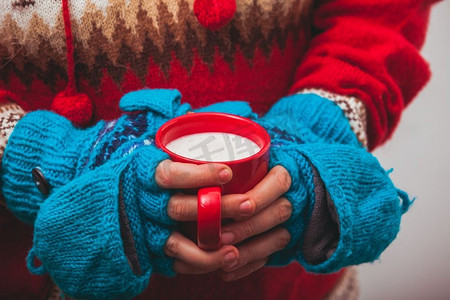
101, 229
346, 210
62, 152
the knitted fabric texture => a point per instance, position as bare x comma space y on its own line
79, 237
353, 109
366, 201
10, 114
309, 118
267, 50
121, 46
214, 14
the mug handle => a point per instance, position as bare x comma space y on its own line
209, 221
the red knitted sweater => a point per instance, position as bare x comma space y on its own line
52, 51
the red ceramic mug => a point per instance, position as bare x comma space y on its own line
247, 172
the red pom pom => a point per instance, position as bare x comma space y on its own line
214, 14
77, 108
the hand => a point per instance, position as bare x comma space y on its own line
256, 213
258, 234
109, 169
189, 258
101, 188
345, 209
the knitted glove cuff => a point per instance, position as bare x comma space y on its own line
311, 119
353, 108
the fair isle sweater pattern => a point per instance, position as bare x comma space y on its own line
119, 34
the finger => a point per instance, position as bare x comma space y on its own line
182, 207
184, 250
260, 247
274, 185
245, 270
175, 175
277, 213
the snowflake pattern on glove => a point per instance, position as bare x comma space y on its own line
125, 135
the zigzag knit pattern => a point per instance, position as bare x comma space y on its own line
109, 24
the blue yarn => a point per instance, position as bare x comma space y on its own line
77, 232
46, 140
239, 108
310, 118
406, 201
159, 101
306, 131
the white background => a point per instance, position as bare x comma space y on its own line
417, 264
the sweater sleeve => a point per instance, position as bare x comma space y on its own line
369, 51
10, 114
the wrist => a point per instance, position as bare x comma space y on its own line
353, 108
310, 118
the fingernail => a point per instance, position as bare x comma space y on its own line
246, 208
227, 238
224, 175
230, 258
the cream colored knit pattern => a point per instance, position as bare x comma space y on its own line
33, 32
10, 114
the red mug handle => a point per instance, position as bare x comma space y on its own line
209, 220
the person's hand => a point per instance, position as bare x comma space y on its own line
256, 216
94, 191
258, 236
345, 209
189, 258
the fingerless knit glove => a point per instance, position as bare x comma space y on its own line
101, 223
346, 210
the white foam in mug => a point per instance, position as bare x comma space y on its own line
213, 146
